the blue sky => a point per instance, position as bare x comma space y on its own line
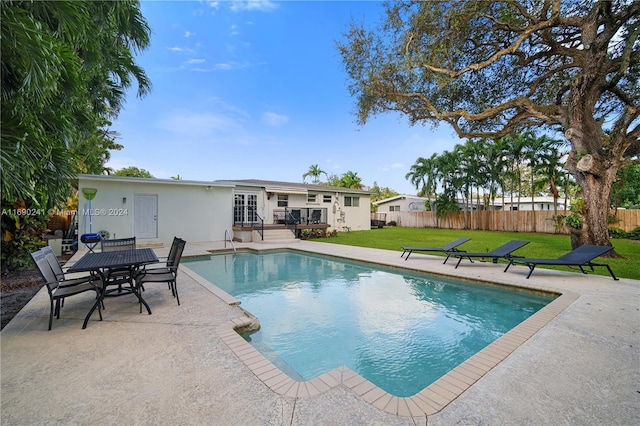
257, 90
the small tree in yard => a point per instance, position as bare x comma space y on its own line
494, 68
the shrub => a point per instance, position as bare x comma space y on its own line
635, 234
21, 235
617, 233
308, 234
612, 219
577, 209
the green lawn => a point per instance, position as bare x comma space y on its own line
540, 245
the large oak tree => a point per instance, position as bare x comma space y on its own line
493, 68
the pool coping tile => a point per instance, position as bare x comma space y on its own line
428, 401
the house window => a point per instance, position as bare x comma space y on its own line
350, 201
394, 208
311, 198
283, 200
326, 198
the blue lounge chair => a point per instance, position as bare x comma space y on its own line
580, 257
449, 248
504, 251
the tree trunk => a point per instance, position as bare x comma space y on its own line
595, 174
596, 192
555, 213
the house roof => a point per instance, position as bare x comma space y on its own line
111, 178
291, 187
268, 185
399, 197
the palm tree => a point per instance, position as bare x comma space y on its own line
536, 149
496, 167
423, 175
448, 173
351, 180
514, 159
314, 171
465, 165
66, 66
551, 171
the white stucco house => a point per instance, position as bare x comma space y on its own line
412, 203
401, 203
539, 203
156, 210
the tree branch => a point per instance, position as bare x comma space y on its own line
513, 48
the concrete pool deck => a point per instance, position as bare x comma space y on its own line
179, 365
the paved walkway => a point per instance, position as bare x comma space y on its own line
173, 367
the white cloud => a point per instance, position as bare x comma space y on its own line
257, 5
178, 49
190, 126
188, 34
196, 61
397, 165
225, 66
273, 119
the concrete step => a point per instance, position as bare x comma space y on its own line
273, 236
149, 244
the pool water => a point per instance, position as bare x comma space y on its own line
400, 330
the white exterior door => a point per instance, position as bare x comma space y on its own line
145, 216
245, 208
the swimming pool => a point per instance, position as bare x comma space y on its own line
400, 330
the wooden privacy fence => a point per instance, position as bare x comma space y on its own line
507, 221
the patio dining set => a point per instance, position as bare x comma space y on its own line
118, 269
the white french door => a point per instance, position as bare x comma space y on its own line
245, 208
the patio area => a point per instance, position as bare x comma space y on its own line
176, 366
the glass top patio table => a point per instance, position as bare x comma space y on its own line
98, 262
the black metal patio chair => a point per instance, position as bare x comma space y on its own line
118, 276
167, 273
58, 286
